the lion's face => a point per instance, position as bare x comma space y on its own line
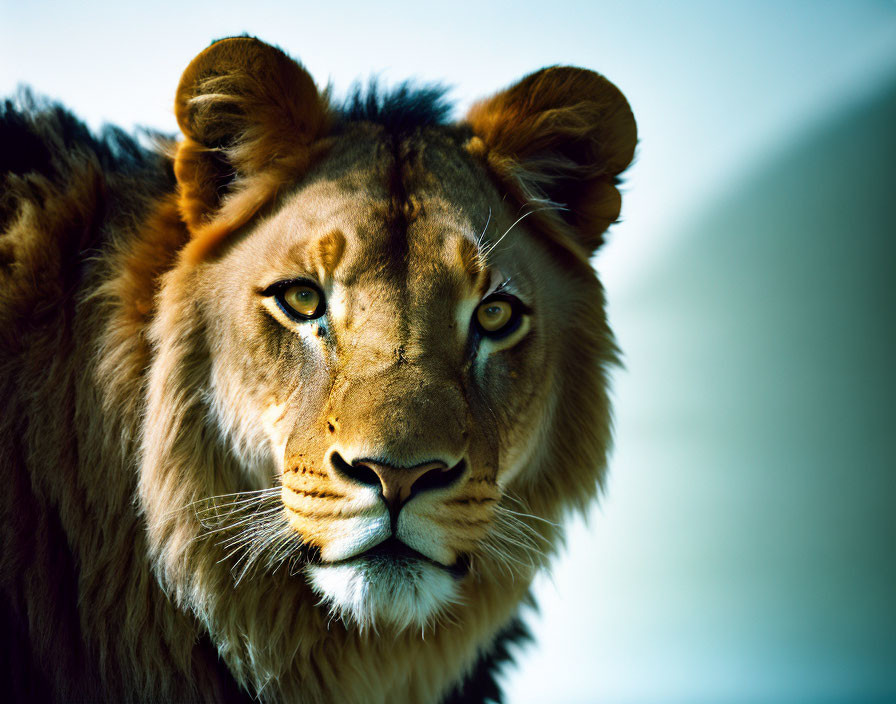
388, 364
391, 335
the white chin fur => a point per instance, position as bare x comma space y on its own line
374, 592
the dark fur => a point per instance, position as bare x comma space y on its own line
399, 110
39, 138
481, 685
35, 134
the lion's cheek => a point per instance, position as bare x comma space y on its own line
424, 536
339, 527
441, 532
272, 425
340, 538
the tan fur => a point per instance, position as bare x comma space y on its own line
165, 378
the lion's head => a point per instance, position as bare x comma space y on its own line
379, 368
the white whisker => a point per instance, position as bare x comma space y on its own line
484, 229
251, 530
490, 248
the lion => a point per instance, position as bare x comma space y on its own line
293, 407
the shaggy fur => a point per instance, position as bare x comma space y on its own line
189, 513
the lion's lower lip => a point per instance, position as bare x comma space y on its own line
396, 551
389, 549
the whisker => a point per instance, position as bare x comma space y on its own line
482, 234
528, 547
525, 531
490, 248
243, 518
234, 504
251, 530
214, 499
246, 513
505, 560
519, 501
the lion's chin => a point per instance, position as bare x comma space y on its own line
370, 592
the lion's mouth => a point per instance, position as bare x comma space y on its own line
395, 552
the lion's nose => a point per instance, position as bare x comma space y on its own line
398, 484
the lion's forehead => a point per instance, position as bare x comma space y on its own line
407, 217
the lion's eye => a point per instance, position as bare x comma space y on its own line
302, 301
497, 317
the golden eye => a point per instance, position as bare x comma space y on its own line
493, 315
498, 317
302, 301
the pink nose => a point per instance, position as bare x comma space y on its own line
397, 483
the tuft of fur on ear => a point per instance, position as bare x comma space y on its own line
252, 121
558, 141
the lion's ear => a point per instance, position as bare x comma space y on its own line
250, 116
560, 137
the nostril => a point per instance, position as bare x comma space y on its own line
439, 478
397, 484
354, 472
